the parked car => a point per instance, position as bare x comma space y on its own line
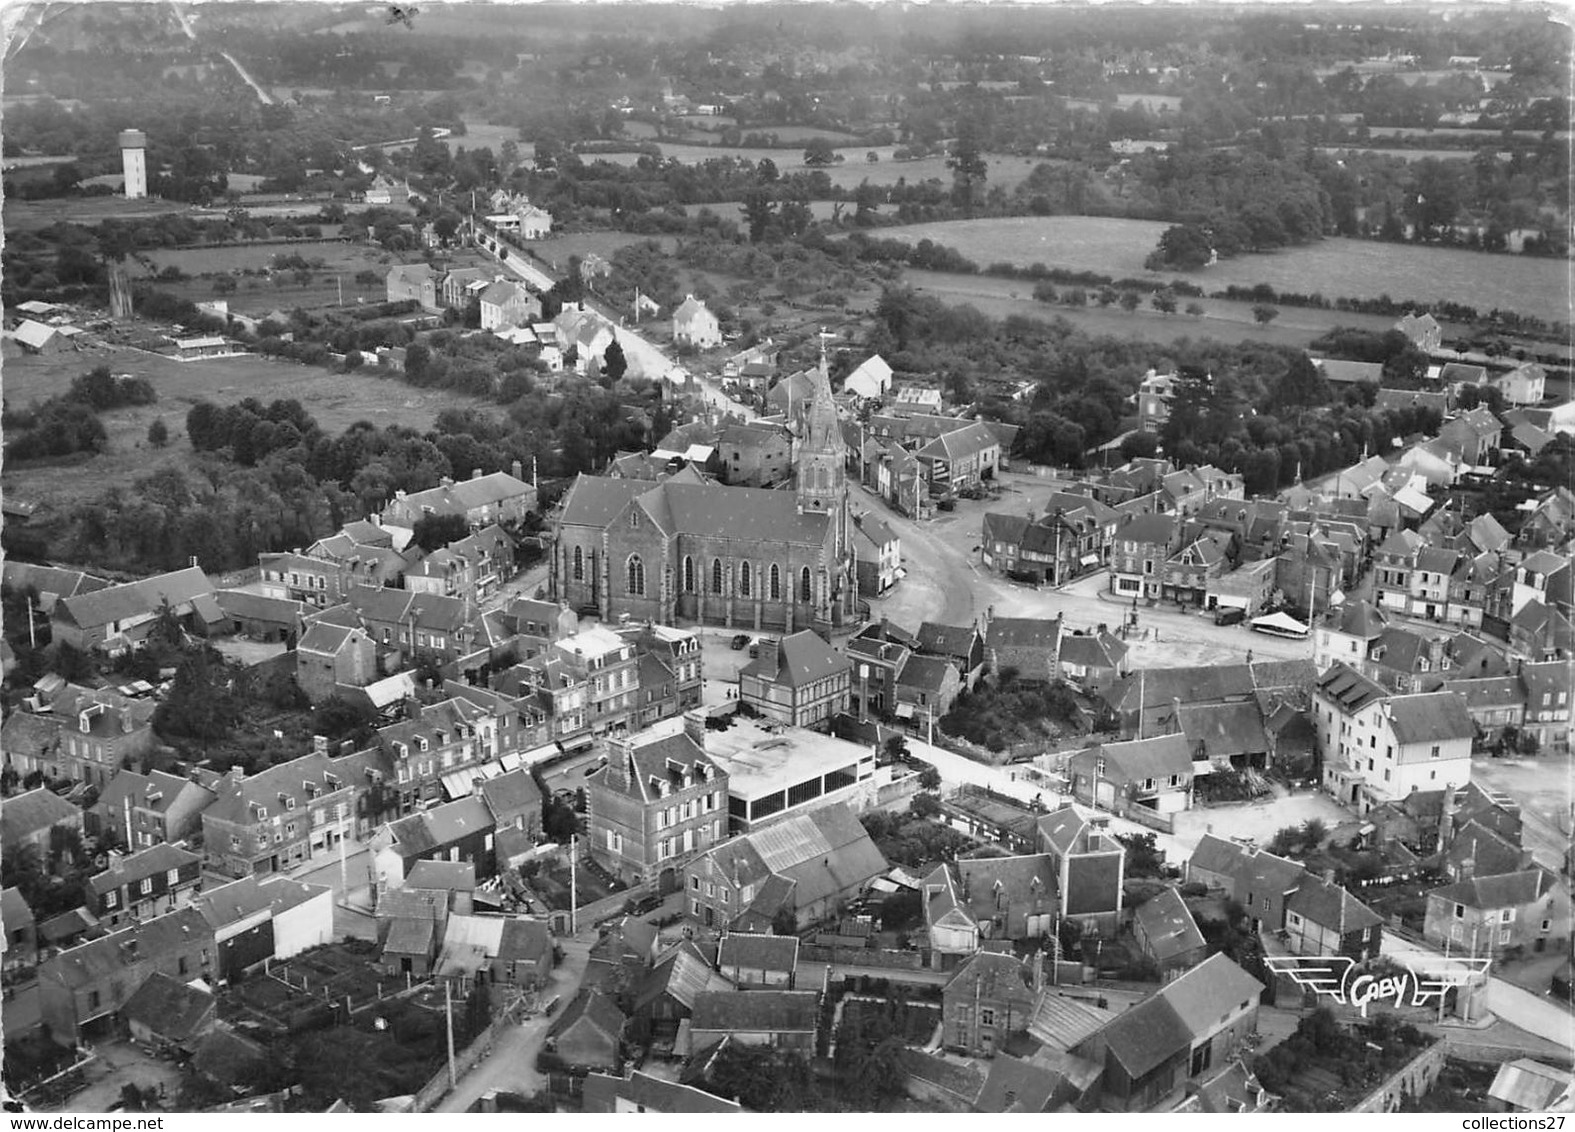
1230, 615
740, 640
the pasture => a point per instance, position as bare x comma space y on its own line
1005, 170
335, 400
1336, 267
1409, 155
1224, 321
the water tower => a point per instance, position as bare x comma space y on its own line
134, 159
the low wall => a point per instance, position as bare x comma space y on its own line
1412, 1079
609, 906
428, 1096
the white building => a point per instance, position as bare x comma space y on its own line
1377, 748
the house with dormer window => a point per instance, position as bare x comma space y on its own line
656, 804
436, 742
279, 818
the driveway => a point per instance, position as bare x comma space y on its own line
511, 1067
118, 1064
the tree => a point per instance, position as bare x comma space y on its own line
929, 779
819, 153
924, 806
1196, 310
1130, 301
760, 209
433, 532
1164, 301
200, 704
968, 167
614, 364
1144, 858
558, 819
1185, 247
158, 433
1263, 313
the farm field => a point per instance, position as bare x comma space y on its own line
198, 261
557, 250
1358, 268
1225, 321
486, 135
335, 400
26, 215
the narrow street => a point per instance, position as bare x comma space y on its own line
511, 1067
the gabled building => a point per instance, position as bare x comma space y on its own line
1322, 918
961, 645
963, 457
1155, 773
1167, 933
799, 870
879, 556
473, 567
800, 680
640, 1092
437, 741
752, 959
1376, 747
28, 819
148, 883
1139, 552
119, 618
1093, 661
271, 821
484, 499
655, 804
1030, 646
1089, 864
990, 898
587, 1033
1487, 915
462, 830
989, 998
1259, 881
694, 325
784, 1020
82, 989
412, 282
330, 658
1181, 1032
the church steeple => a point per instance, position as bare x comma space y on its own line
821, 461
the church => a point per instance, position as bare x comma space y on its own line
687, 550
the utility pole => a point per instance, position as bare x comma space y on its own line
574, 885
448, 1012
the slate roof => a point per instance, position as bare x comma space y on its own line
1168, 925
926, 673
1209, 990
408, 936
1331, 906
1146, 1036
1224, 730
964, 442
593, 501
14, 912
1344, 372
1156, 528
946, 640
31, 736
1506, 890
140, 865
1023, 632
170, 1008
511, 793
997, 976
1349, 689
1093, 650
1022, 882
227, 1057
755, 951
1431, 717
442, 876
108, 955
1140, 759
326, 639
802, 658
236, 801
117, 603
440, 826
30, 813
755, 1011
1252, 868
684, 974
231, 902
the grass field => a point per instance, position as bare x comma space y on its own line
1223, 320
334, 400
1357, 268
1006, 171
337, 256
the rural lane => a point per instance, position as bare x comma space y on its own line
511, 1067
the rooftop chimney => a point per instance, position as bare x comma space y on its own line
517, 470
619, 756
768, 654
694, 727
475, 473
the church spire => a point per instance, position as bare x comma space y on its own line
822, 480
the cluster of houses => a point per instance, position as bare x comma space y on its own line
37, 327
